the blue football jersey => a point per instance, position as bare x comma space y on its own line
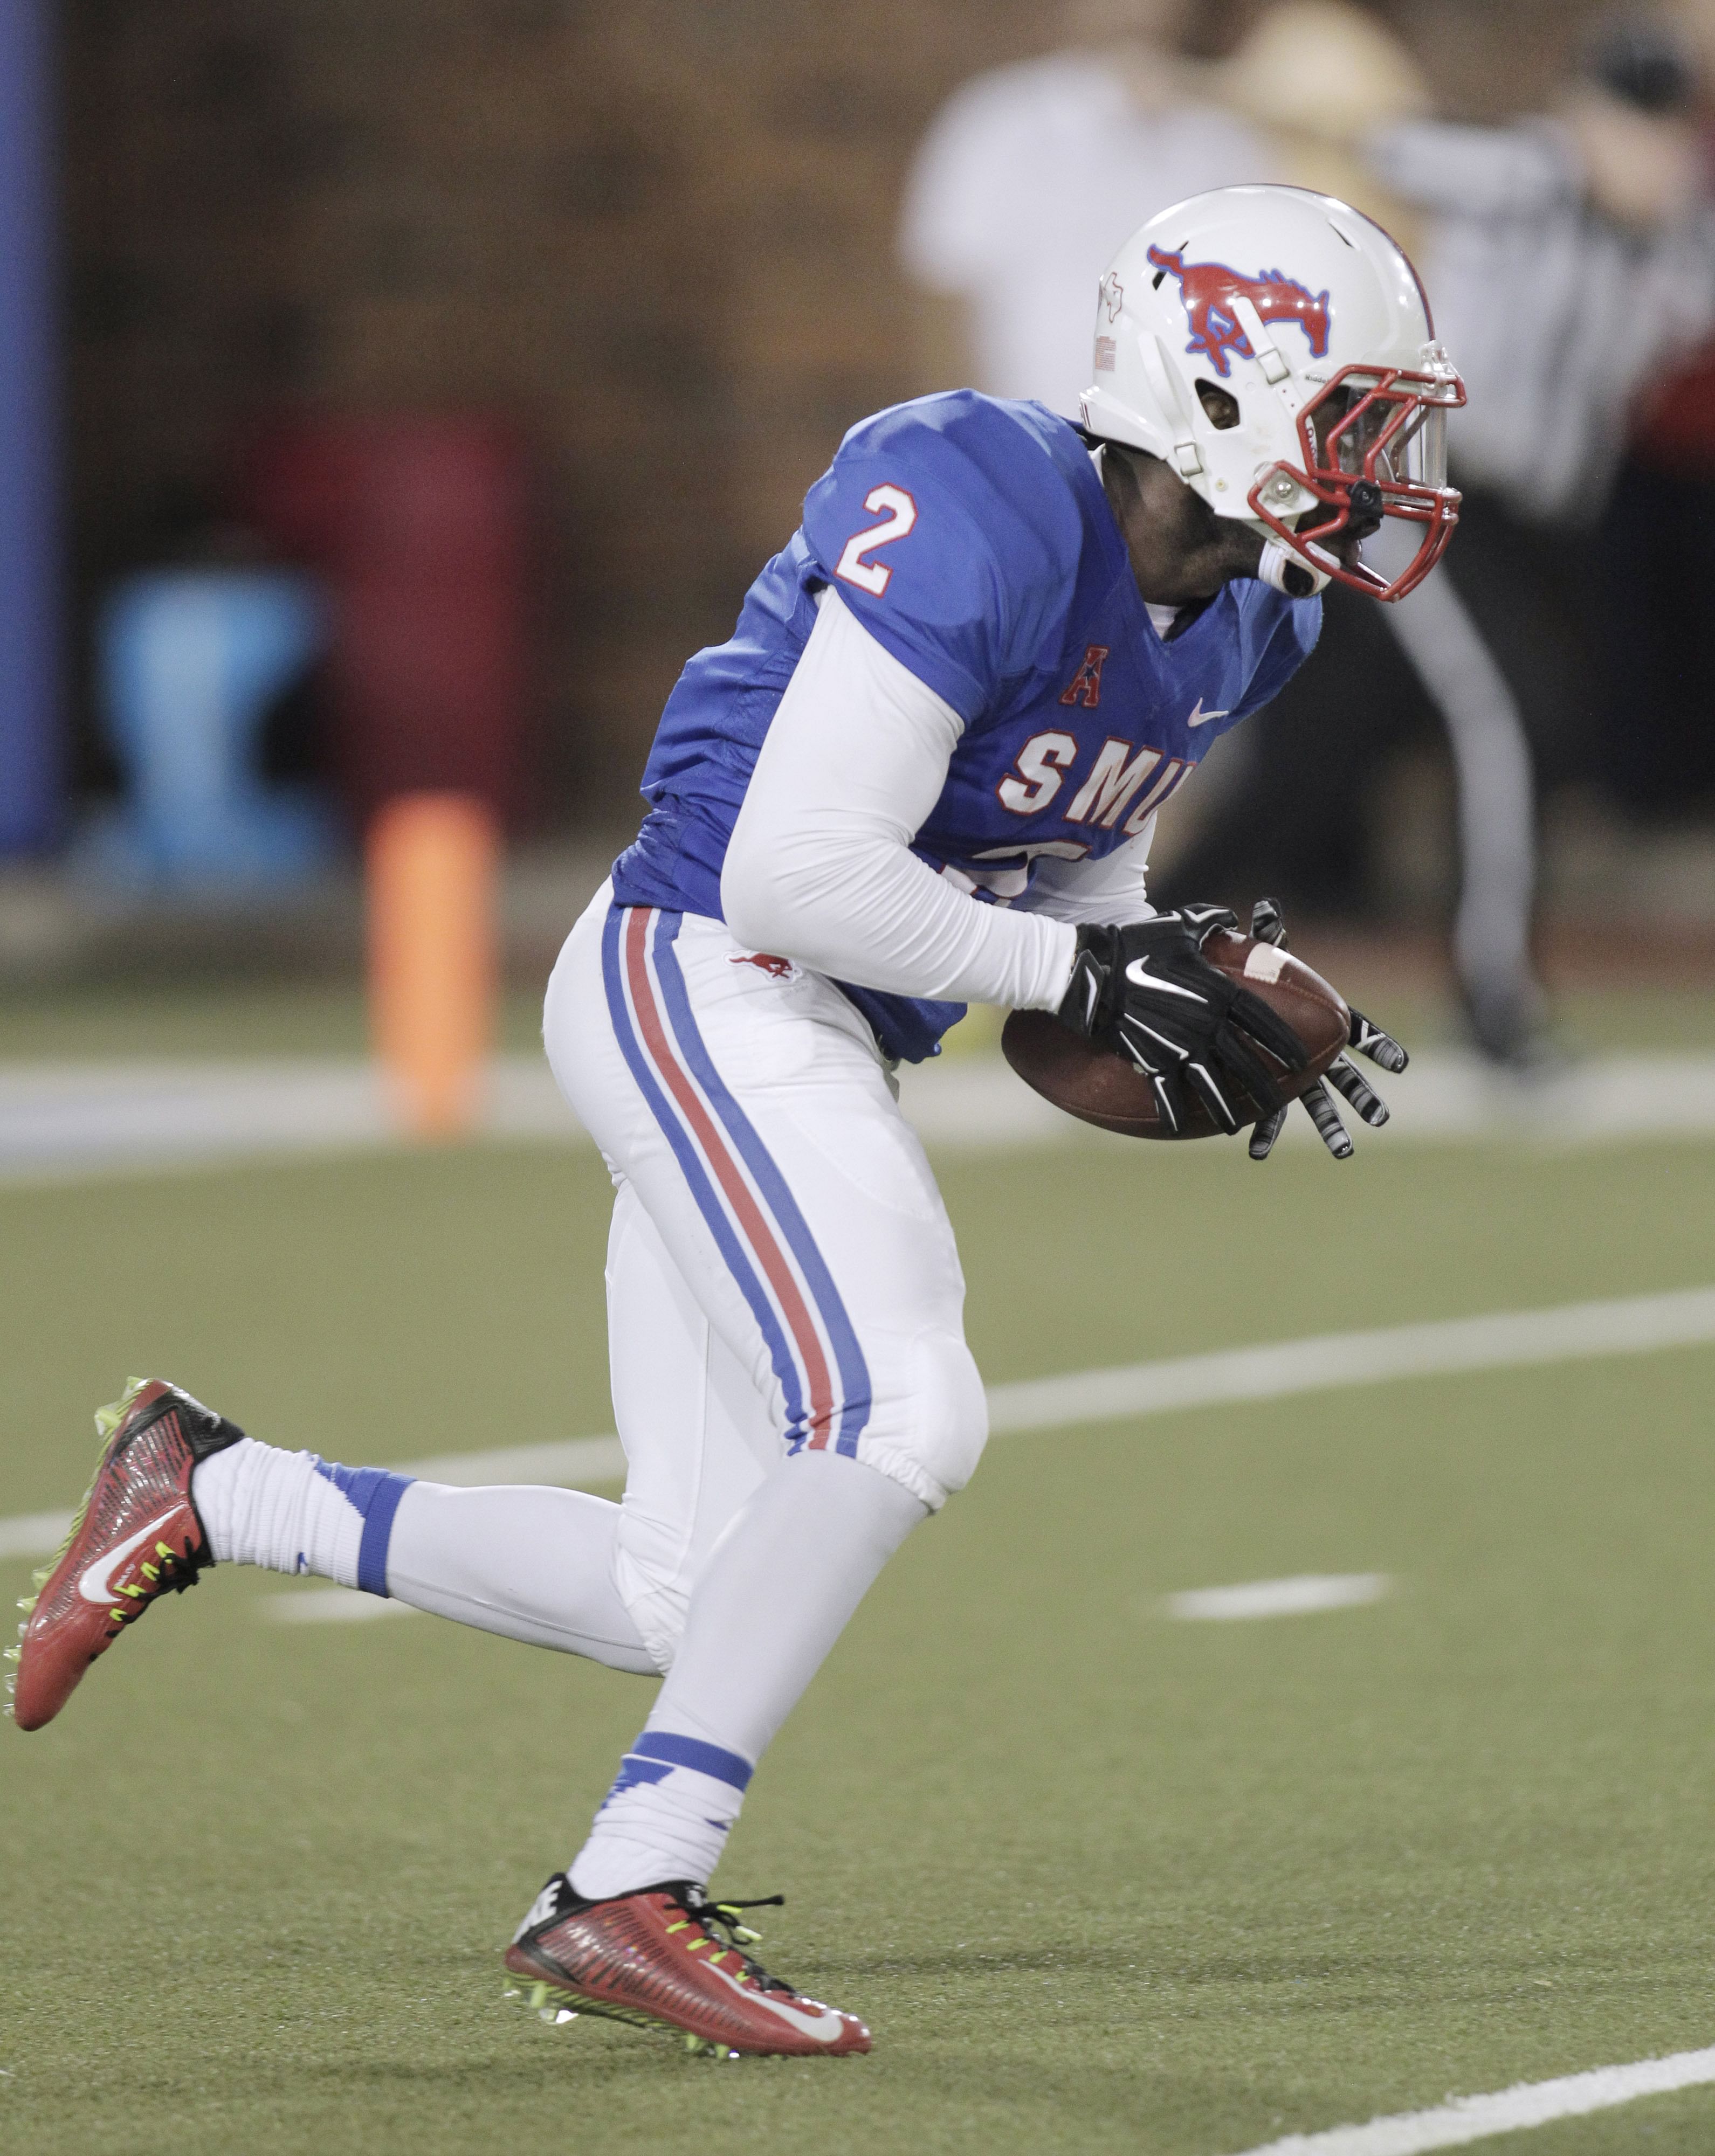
972, 537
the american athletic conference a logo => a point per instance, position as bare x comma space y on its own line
1208, 290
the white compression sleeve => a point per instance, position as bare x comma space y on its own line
819, 867
532, 1564
777, 1592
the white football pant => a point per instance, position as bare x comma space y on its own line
782, 1275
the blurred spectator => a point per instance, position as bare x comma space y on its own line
1032, 176
1315, 79
1569, 254
1572, 257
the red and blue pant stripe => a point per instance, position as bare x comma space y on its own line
757, 1226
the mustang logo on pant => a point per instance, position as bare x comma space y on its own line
777, 969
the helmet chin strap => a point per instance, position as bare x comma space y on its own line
1284, 570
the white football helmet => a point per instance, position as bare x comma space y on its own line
1276, 349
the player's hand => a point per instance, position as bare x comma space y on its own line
1267, 926
1147, 992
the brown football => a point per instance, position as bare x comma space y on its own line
1101, 1088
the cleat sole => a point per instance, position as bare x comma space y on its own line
553, 2004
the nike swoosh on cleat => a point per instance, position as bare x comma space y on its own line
94, 1584
825, 2027
1199, 717
1139, 975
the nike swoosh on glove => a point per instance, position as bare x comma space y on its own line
1147, 992
1267, 926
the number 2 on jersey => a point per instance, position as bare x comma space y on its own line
872, 577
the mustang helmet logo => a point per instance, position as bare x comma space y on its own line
1208, 290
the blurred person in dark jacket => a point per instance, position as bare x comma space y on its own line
1657, 539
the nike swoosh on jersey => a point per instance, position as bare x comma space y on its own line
94, 1583
1199, 717
1139, 975
825, 2026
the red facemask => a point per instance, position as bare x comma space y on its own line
1374, 444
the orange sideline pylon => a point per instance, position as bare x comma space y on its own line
431, 868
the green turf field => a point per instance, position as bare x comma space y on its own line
187, 1017
1099, 1881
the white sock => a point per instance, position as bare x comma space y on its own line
295, 1512
777, 1592
676, 1799
532, 1564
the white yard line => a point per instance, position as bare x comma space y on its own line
1278, 1597
1633, 1325
74, 1120
1467, 2118
1573, 1331
33, 1534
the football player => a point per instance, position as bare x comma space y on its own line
924, 770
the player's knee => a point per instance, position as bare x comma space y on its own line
657, 1599
931, 1436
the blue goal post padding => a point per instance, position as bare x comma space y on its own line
31, 763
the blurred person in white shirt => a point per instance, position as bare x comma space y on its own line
1031, 176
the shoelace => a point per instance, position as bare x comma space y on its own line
175, 1571
729, 1916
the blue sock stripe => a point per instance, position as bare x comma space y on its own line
374, 1492
635, 1773
378, 1531
691, 1752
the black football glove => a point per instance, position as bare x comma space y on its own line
1147, 992
1267, 926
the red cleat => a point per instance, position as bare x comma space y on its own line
651, 1958
135, 1535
